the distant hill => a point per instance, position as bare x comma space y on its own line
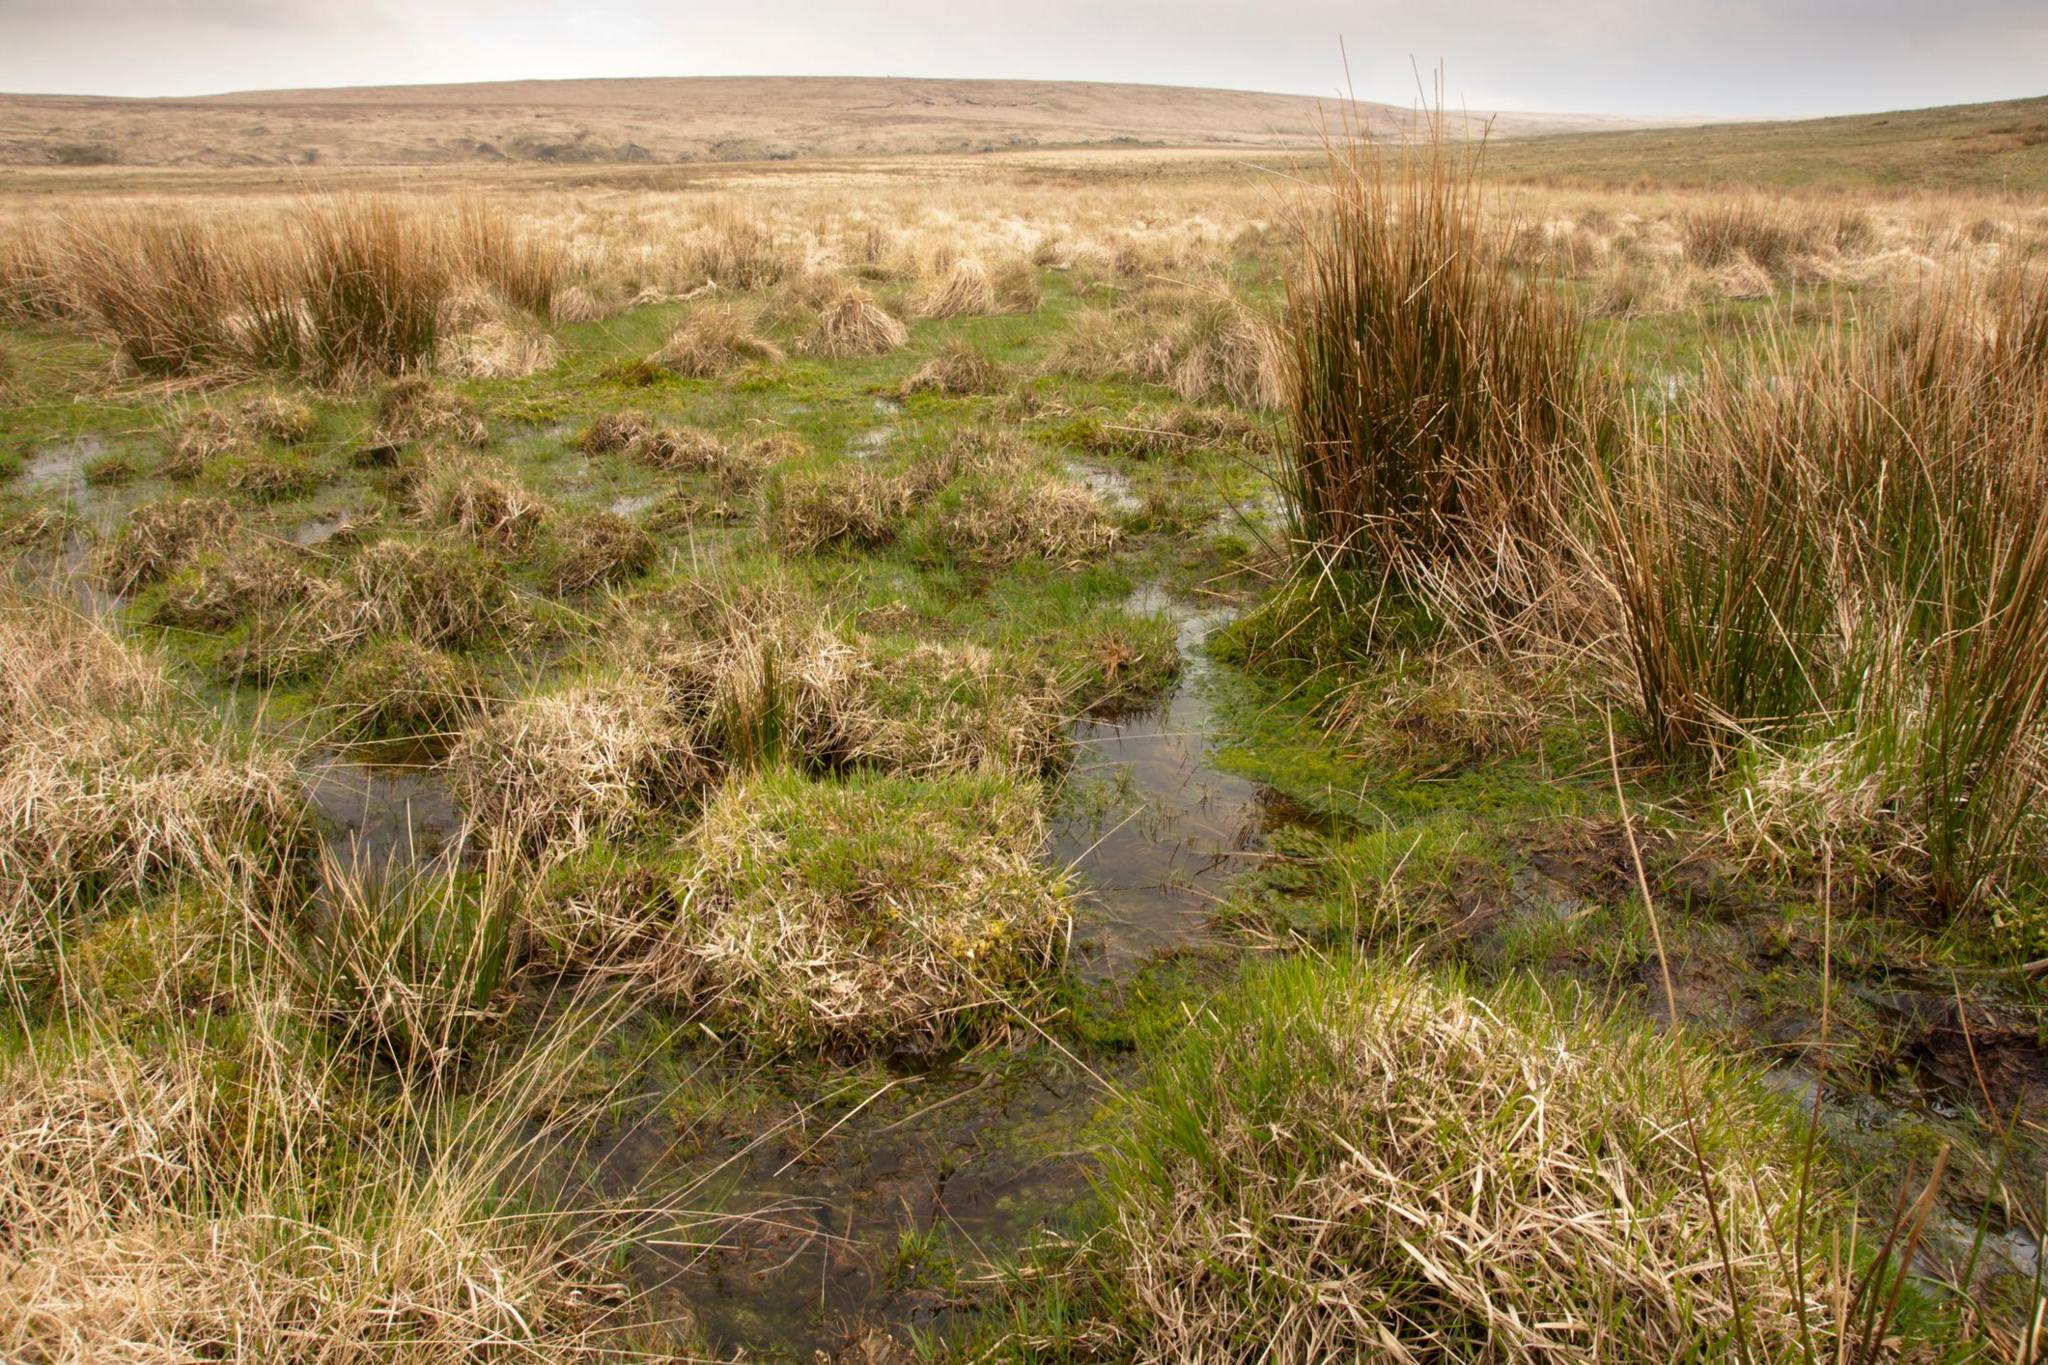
2000, 146
672, 120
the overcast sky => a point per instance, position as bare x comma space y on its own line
1734, 57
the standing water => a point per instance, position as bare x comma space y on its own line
819, 1226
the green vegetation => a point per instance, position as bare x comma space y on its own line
810, 781
1985, 147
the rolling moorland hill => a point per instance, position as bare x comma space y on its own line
1997, 146
675, 119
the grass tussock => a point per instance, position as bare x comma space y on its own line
963, 290
937, 708
874, 911
417, 409
265, 475
587, 550
111, 781
1201, 344
201, 433
399, 689
846, 507
1498, 1177
713, 342
754, 680
587, 761
375, 281
993, 520
959, 370
479, 498
251, 574
853, 323
525, 268
497, 348
190, 1200
615, 433
442, 594
434, 592
685, 450
161, 537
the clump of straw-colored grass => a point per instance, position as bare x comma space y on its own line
586, 761
868, 912
714, 341
1436, 398
853, 323
1342, 1159
161, 537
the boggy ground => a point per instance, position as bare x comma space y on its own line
869, 719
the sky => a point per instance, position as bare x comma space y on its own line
1760, 58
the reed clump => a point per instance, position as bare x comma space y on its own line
1847, 543
1436, 397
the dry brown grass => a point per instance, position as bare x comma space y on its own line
200, 433
496, 349
750, 679
964, 290
251, 574
432, 592
400, 689
993, 520
111, 781
182, 1203
589, 760
161, 537
853, 323
953, 924
807, 512
733, 248
480, 498
949, 708
682, 450
1498, 1177
579, 303
960, 369
714, 341
1201, 344
374, 281
417, 409
1437, 397
587, 550
614, 433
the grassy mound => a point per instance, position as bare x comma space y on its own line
1345, 1160
584, 762
869, 911
161, 537
396, 689
110, 781
713, 342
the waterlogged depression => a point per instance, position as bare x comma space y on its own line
821, 1219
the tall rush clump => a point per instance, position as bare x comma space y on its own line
1435, 394
375, 279
1850, 543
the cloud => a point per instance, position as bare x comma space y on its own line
1734, 57
172, 15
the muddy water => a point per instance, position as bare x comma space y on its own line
810, 1215
383, 816
61, 468
1112, 488
1153, 829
